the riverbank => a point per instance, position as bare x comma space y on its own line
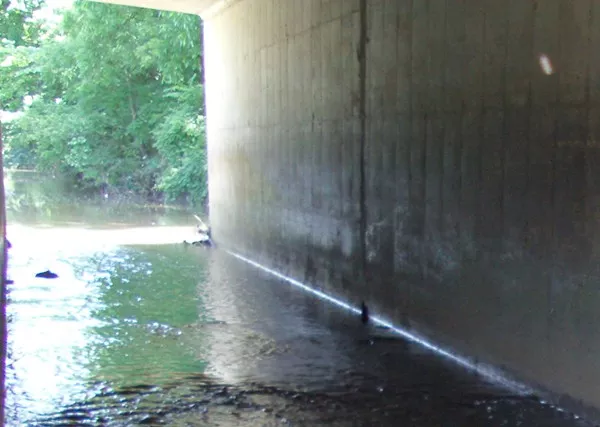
36, 189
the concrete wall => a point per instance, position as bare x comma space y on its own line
416, 155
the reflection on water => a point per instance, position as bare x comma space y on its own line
45, 201
104, 314
141, 330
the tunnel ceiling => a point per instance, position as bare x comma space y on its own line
203, 8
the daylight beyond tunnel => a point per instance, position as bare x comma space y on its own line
435, 159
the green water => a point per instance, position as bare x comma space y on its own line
120, 310
143, 305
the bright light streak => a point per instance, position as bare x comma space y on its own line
482, 370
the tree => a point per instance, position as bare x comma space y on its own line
117, 93
21, 34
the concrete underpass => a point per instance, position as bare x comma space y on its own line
435, 158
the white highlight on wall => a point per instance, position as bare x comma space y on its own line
546, 64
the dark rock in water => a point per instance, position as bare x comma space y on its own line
8, 245
47, 275
221, 393
9, 281
207, 243
364, 313
202, 242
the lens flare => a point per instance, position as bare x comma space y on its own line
546, 64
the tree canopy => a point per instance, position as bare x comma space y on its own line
112, 97
17, 23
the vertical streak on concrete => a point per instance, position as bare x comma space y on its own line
362, 58
569, 183
434, 137
420, 103
471, 106
548, 16
453, 113
590, 135
542, 141
442, 118
593, 162
518, 122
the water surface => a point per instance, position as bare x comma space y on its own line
140, 329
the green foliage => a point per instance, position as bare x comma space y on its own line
40, 132
20, 34
18, 75
184, 163
17, 24
20, 153
117, 101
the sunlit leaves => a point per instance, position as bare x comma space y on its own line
19, 76
17, 24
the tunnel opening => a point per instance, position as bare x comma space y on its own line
104, 147
435, 162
